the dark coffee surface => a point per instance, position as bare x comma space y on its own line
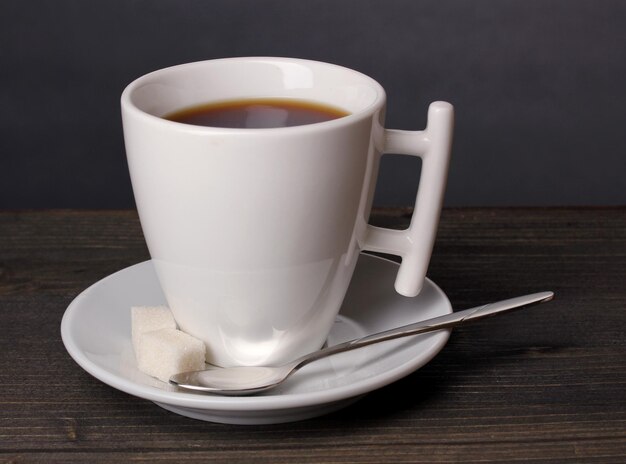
258, 113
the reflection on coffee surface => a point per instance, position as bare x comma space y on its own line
257, 113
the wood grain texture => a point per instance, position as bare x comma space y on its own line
543, 385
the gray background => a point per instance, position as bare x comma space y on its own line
538, 86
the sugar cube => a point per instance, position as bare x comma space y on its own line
147, 319
165, 352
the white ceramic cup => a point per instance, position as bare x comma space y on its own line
255, 233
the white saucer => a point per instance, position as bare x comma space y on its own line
96, 333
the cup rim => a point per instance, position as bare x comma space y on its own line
132, 109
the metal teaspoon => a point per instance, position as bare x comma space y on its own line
253, 379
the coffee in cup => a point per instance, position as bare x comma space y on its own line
257, 113
254, 233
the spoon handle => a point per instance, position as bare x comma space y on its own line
429, 325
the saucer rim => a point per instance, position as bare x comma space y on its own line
241, 403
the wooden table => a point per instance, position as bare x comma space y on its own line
547, 384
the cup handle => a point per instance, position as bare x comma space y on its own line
415, 244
